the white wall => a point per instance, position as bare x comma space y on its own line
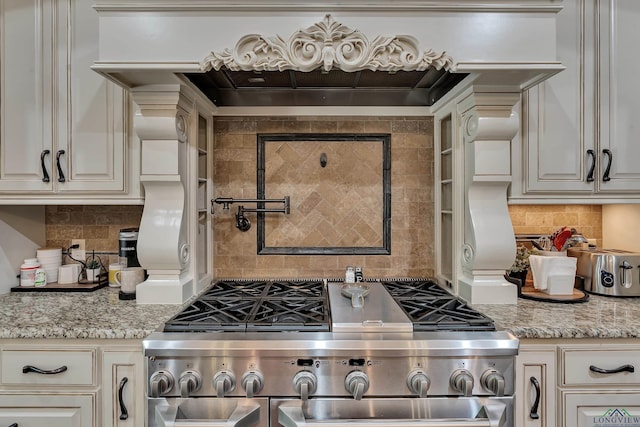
621, 227
22, 232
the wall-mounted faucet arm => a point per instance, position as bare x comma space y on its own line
242, 222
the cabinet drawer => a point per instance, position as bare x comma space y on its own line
576, 367
47, 410
74, 367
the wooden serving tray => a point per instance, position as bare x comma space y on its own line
82, 286
529, 292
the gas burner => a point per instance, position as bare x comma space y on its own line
432, 308
206, 315
290, 314
295, 289
236, 289
239, 305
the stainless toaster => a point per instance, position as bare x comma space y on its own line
610, 272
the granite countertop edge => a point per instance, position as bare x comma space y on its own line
101, 315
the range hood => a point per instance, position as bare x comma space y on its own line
227, 88
326, 64
464, 59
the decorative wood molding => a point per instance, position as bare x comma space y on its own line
327, 44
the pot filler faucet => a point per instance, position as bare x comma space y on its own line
242, 222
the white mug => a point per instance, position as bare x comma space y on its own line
128, 278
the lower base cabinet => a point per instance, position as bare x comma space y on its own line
535, 404
601, 409
123, 398
37, 410
71, 383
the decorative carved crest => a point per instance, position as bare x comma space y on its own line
326, 45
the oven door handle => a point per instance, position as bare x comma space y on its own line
243, 416
492, 415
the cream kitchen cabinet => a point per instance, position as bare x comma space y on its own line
579, 127
123, 391
535, 404
599, 384
36, 410
72, 383
64, 129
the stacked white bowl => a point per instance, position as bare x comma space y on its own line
50, 259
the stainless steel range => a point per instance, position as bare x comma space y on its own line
294, 353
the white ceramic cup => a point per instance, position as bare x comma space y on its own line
128, 278
112, 274
67, 274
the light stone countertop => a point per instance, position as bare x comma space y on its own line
600, 317
98, 314
101, 315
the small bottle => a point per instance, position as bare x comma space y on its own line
350, 275
359, 275
28, 272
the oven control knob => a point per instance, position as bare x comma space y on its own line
493, 381
462, 381
418, 382
252, 382
189, 382
305, 383
356, 383
224, 382
161, 382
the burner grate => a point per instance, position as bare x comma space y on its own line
212, 315
290, 314
432, 308
236, 305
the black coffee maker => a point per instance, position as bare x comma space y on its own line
128, 251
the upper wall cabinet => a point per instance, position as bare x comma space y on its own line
64, 128
579, 126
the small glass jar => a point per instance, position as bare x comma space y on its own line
350, 275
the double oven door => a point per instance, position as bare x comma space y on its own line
332, 412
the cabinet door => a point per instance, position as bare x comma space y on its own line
602, 408
123, 388
26, 50
619, 94
558, 114
91, 110
37, 410
535, 388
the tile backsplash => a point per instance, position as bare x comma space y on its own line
98, 225
545, 219
412, 230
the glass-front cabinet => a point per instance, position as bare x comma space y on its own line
444, 171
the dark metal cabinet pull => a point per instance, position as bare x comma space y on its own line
593, 165
623, 368
124, 414
605, 176
28, 368
61, 177
534, 408
14, 425
45, 174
